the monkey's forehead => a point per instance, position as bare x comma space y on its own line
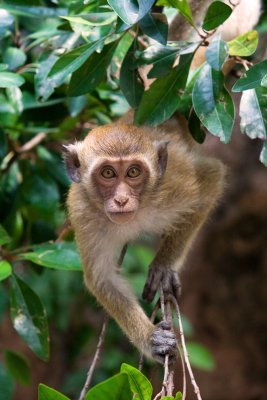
119, 140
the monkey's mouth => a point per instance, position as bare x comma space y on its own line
121, 217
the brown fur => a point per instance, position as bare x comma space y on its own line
174, 206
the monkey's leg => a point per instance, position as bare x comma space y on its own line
176, 243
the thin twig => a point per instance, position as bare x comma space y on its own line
185, 353
32, 143
96, 357
100, 340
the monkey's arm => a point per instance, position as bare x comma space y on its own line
176, 243
114, 294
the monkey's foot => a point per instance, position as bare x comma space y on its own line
163, 342
169, 279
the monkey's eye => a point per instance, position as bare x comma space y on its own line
133, 172
108, 173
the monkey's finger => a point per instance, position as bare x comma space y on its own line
152, 285
176, 287
164, 349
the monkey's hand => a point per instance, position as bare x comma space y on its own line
163, 342
169, 279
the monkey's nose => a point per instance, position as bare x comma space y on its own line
121, 201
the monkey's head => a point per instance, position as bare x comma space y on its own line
117, 165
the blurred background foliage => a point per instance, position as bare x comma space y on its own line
46, 52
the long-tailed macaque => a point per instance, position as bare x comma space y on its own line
128, 180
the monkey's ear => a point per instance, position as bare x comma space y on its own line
72, 162
161, 146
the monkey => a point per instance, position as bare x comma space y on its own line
128, 180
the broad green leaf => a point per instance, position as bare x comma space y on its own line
130, 11
4, 237
18, 366
139, 384
6, 22
213, 104
244, 45
130, 83
184, 9
163, 57
5, 270
71, 61
263, 155
252, 78
154, 28
167, 398
62, 255
161, 100
47, 393
3, 67
217, 13
29, 317
178, 396
14, 58
115, 388
40, 194
10, 79
6, 384
185, 103
217, 54
92, 72
44, 86
200, 357
264, 81
253, 113
93, 19
34, 12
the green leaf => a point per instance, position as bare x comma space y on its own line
40, 194
4, 237
47, 393
217, 13
44, 86
10, 79
71, 61
62, 256
252, 78
184, 9
14, 58
217, 54
213, 104
139, 384
179, 396
34, 12
6, 384
29, 317
18, 366
93, 19
244, 45
154, 28
115, 388
253, 113
130, 83
263, 155
130, 11
161, 100
163, 57
264, 81
92, 72
5, 270
200, 357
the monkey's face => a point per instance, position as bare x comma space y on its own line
120, 184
